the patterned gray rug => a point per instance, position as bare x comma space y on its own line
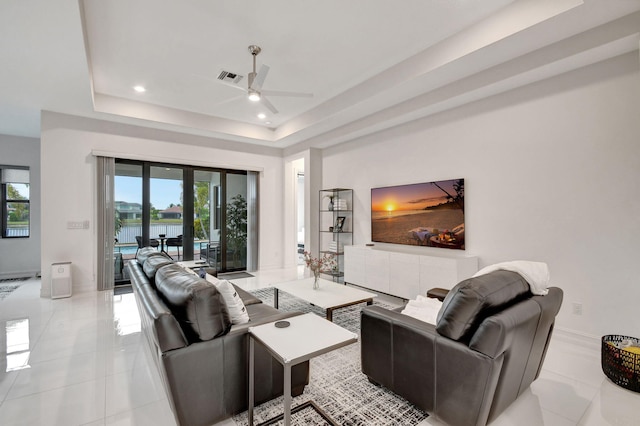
8, 285
336, 382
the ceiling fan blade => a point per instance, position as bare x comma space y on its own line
283, 93
259, 80
268, 104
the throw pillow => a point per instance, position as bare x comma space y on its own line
235, 306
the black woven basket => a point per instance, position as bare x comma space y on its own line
621, 366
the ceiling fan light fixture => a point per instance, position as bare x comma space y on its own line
254, 96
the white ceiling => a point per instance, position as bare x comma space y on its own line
370, 64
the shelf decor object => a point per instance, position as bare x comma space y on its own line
330, 205
621, 361
335, 227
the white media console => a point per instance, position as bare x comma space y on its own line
404, 274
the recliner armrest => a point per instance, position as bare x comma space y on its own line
441, 376
437, 293
396, 346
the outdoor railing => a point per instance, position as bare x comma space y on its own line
128, 233
22, 231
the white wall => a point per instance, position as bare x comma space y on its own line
68, 186
20, 257
552, 173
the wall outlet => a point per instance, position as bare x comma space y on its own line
577, 308
78, 224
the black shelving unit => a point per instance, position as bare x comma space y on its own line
335, 226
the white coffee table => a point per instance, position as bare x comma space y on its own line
330, 296
307, 336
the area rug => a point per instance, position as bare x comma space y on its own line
234, 275
8, 285
12, 280
336, 382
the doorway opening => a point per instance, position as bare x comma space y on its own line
300, 230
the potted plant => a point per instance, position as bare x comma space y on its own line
237, 227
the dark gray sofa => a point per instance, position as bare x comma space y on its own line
487, 347
203, 359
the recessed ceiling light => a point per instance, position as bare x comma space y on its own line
262, 116
139, 89
267, 122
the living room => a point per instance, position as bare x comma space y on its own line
549, 168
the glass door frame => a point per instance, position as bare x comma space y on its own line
187, 206
225, 261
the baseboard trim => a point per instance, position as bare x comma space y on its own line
578, 338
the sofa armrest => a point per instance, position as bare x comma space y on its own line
196, 378
247, 298
398, 353
437, 374
165, 330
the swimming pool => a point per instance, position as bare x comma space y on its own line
131, 249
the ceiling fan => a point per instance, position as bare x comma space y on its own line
256, 80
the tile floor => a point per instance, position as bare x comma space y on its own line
81, 361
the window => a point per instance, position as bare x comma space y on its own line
15, 202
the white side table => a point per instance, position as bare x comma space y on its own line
307, 336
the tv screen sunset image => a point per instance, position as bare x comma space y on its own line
427, 214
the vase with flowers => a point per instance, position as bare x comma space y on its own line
317, 265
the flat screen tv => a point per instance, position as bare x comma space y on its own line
425, 214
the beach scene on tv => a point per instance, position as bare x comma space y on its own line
425, 214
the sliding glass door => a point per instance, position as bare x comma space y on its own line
166, 209
207, 222
220, 218
235, 231
128, 216
207, 216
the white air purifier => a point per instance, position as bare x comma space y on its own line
60, 280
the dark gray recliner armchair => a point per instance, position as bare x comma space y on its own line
487, 347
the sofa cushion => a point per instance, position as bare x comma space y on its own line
197, 304
474, 299
152, 264
145, 252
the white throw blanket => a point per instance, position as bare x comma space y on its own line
535, 273
423, 308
